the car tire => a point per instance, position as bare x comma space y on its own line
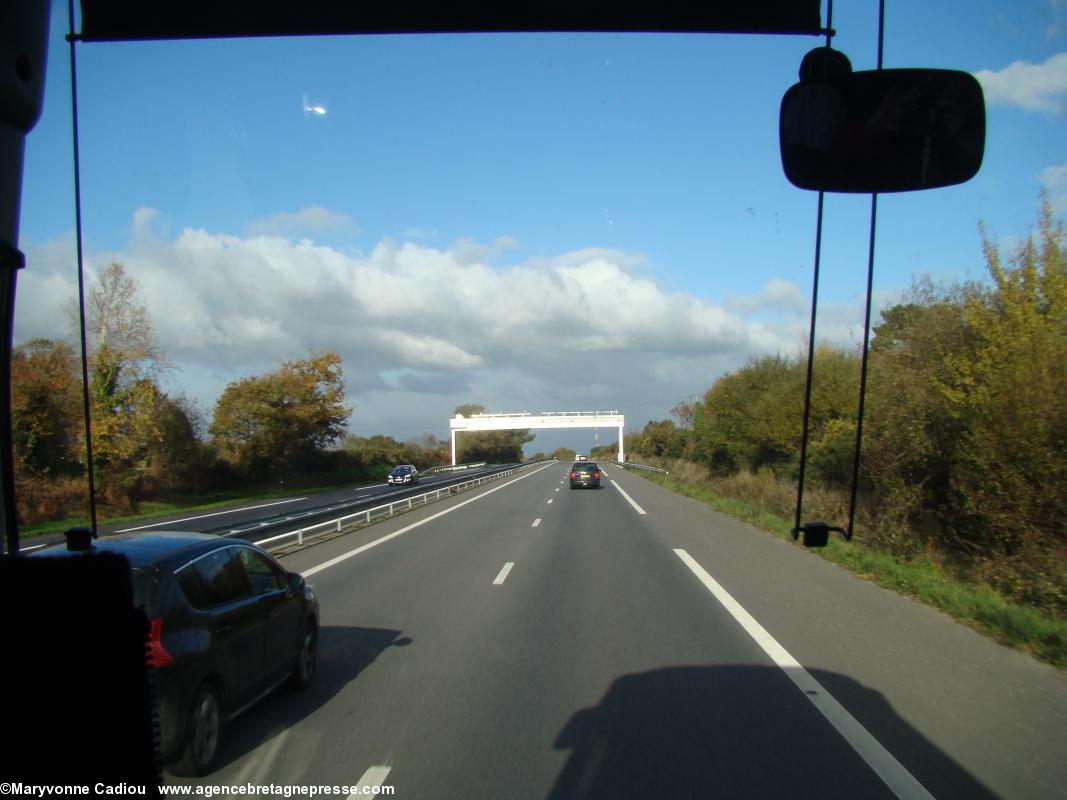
304, 668
202, 733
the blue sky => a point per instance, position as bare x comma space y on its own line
532, 222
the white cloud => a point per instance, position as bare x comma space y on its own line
1055, 180
505, 244
1055, 27
310, 220
585, 329
1031, 87
146, 222
777, 295
419, 234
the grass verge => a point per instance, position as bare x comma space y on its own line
151, 510
978, 606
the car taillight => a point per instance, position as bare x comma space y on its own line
573, 475
155, 654
596, 475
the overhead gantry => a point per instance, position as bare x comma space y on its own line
546, 419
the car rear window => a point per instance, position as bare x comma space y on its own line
190, 586
146, 590
220, 579
585, 466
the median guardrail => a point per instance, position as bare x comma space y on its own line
456, 468
641, 466
386, 510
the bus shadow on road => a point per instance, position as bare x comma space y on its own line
739, 732
343, 653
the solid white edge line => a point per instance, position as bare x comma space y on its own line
372, 779
344, 556
536, 522
502, 576
901, 782
629, 499
215, 514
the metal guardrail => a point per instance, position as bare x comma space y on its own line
389, 509
642, 466
456, 468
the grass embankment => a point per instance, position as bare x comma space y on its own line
758, 500
191, 503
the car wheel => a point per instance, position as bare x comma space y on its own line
304, 669
201, 733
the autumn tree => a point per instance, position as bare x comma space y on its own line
280, 422
128, 408
46, 426
969, 410
662, 439
46, 414
684, 412
381, 450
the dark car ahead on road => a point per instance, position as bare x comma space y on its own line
227, 624
585, 474
404, 473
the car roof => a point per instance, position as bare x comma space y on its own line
161, 548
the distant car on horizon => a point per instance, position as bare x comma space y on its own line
585, 475
402, 474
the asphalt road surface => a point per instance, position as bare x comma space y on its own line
529, 641
250, 520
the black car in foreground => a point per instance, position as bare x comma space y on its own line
227, 624
585, 474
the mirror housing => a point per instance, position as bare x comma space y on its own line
893, 130
296, 582
817, 534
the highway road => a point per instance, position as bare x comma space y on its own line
259, 519
528, 641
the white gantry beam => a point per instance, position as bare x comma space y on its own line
546, 419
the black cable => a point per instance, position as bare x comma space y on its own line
81, 268
811, 366
814, 309
866, 321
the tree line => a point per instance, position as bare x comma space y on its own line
285, 427
964, 453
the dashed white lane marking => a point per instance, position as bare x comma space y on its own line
307, 573
629, 499
215, 514
372, 780
536, 522
550, 502
557, 489
499, 579
901, 782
